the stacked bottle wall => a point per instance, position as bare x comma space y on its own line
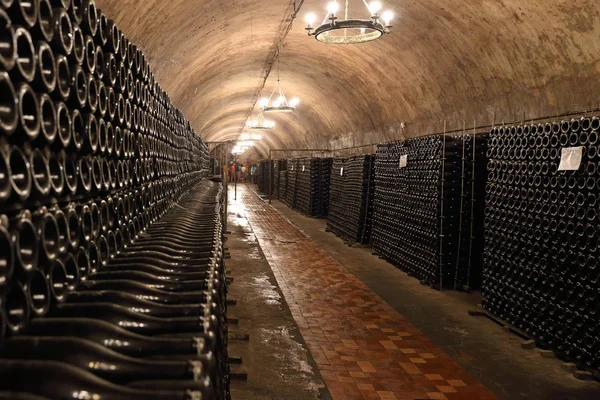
290, 194
263, 176
337, 193
324, 185
541, 234
282, 190
469, 263
260, 174
419, 196
353, 188
92, 153
276, 167
312, 185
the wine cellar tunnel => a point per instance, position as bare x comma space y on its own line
299, 199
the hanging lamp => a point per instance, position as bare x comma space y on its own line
334, 30
260, 122
280, 102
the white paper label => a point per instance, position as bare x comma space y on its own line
342, 171
303, 168
292, 168
570, 158
403, 160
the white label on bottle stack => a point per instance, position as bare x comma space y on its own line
342, 171
403, 160
303, 168
570, 158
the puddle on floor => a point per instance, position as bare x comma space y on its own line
292, 357
266, 289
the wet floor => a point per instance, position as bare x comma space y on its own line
489, 354
276, 358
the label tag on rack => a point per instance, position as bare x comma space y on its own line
403, 161
342, 171
570, 158
303, 168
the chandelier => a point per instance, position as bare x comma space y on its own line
245, 141
250, 137
279, 102
346, 31
241, 146
260, 122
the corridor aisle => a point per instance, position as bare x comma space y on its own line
363, 348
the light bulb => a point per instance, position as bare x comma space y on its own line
310, 19
263, 102
332, 7
294, 102
387, 17
374, 7
362, 31
270, 124
276, 103
281, 100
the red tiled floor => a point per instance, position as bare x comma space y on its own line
362, 346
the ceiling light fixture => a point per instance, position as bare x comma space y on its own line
260, 122
347, 31
241, 146
277, 102
280, 104
250, 136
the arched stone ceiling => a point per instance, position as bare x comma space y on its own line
453, 60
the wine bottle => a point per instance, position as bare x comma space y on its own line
133, 321
119, 339
20, 396
58, 380
101, 361
145, 258
142, 306
156, 245
157, 255
174, 274
160, 282
142, 291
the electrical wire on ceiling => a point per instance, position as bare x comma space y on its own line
285, 26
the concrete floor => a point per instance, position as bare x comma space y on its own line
276, 358
483, 348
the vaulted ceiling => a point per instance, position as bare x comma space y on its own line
459, 61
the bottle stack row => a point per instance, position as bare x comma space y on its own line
292, 177
277, 164
352, 198
421, 207
92, 155
312, 186
262, 172
542, 234
337, 213
301, 183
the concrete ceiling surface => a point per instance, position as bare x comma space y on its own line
453, 60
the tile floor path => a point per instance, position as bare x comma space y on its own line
364, 348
